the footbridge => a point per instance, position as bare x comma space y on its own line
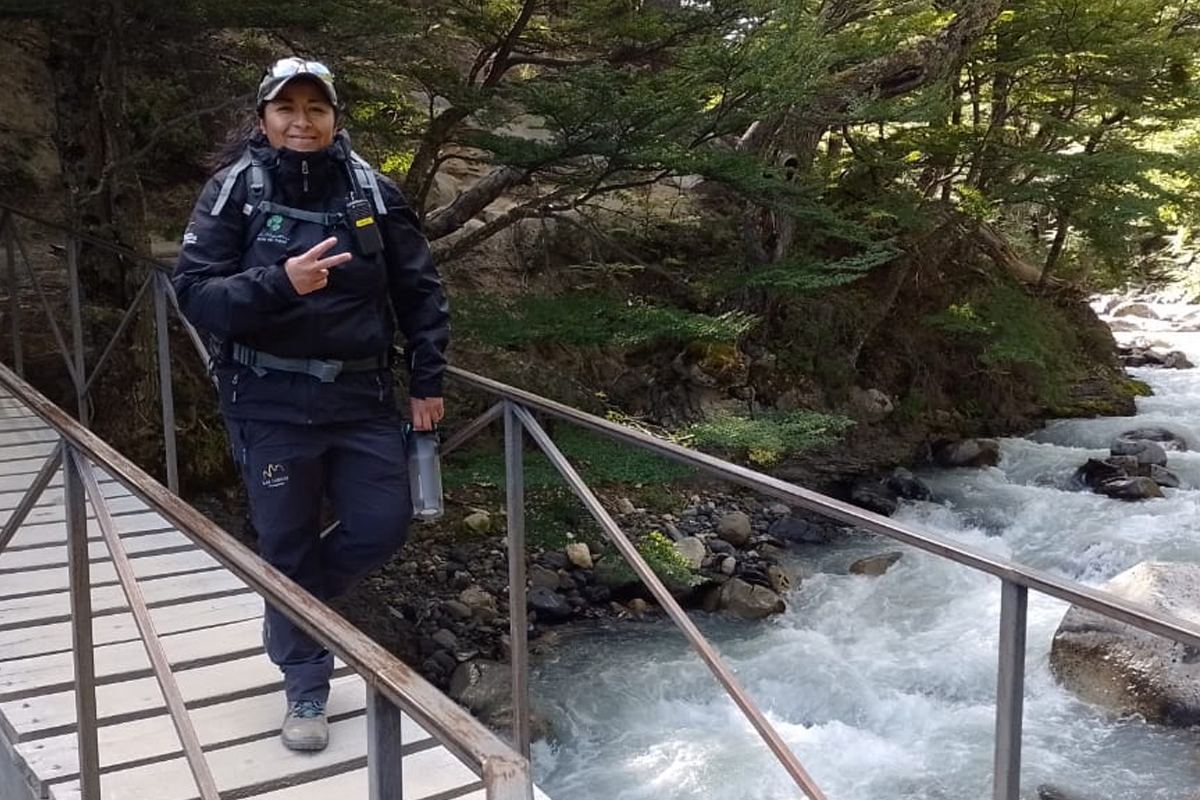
131, 664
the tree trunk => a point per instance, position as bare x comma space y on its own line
1063, 226
105, 194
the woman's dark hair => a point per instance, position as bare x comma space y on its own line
235, 143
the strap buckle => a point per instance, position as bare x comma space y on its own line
326, 371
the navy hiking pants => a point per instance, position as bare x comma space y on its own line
288, 470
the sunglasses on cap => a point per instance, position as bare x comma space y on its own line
288, 67
285, 69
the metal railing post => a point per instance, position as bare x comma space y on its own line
81, 627
1010, 691
514, 480
74, 293
385, 758
14, 300
166, 394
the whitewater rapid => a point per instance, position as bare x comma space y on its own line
885, 687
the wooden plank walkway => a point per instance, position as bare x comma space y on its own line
210, 625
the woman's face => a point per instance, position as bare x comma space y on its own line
299, 118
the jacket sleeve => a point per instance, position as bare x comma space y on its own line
215, 293
418, 298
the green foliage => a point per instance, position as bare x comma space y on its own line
807, 275
960, 319
591, 319
1009, 329
661, 556
599, 460
767, 439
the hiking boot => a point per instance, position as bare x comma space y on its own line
304, 726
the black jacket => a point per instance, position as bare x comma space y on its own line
239, 292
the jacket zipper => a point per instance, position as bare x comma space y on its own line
304, 172
234, 383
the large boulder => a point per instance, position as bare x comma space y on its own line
749, 602
1125, 669
1122, 478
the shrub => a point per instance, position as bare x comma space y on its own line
768, 438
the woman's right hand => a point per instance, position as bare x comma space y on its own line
309, 272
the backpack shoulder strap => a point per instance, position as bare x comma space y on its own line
231, 177
365, 177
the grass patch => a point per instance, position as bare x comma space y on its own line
768, 438
591, 319
599, 460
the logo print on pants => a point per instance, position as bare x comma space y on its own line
274, 475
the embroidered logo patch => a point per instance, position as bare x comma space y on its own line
274, 476
274, 223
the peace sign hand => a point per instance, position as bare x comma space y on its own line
309, 272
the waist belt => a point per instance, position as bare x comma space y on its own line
324, 370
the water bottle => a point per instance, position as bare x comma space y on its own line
424, 474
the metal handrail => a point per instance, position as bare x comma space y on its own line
506, 774
1139, 616
74, 356
515, 406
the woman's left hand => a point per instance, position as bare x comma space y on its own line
426, 412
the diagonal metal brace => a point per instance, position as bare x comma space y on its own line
40, 482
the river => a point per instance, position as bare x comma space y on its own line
884, 687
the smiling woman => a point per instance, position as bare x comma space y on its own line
300, 117
299, 262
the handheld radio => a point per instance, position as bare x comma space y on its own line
360, 217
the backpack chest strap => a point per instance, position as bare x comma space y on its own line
325, 218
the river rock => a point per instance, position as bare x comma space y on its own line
967, 453
480, 601
692, 551
874, 495
735, 528
875, 566
625, 506
1164, 477
870, 404
579, 555
1177, 360
728, 565
446, 639
1134, 310
1125, 669
749, 602
908, 486
1131, 489
1165, 438
479, 521
779, 579
485, 688
456, 610
543, 578
1147, 452
550, 606
720, 547
799, 530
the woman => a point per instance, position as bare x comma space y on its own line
299, 261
